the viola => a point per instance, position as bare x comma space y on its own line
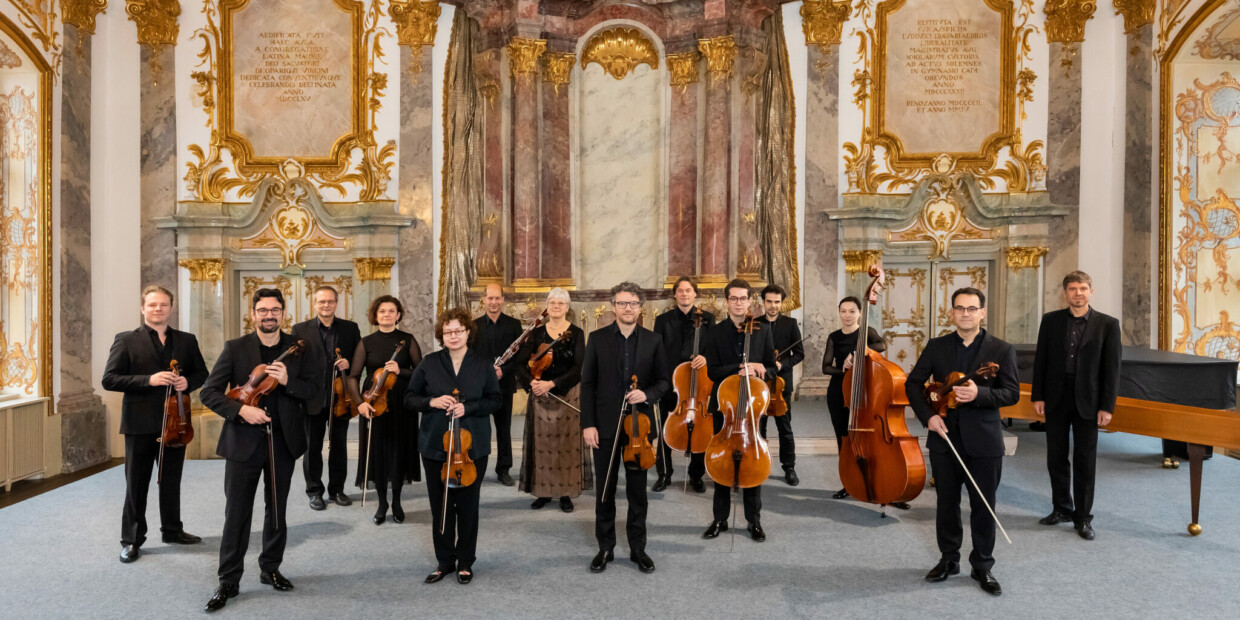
778, 406
638, 452
941, 397
178, 426
260, 383
541, 360
342, 406
737, 456
459, 470
690, 425
381, 381
880, 461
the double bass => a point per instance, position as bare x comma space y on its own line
178, 427
458, 470
880, 461
690, 426
737, 456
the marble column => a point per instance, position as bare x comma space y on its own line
523, 63
682, 219
749, 260
415, 246
491, 256
556, 246
158, 188
83, 416
1024, 270
1138, 190
1063, 178
207, 281
717, 164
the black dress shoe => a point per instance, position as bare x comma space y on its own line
790, 476
275, 580
540, 502
716, 527
755, 530
505, 479
317, 503
943, 570
987, 581
181, 537
439, 574
566, 504
464, 575
1037, 426
697, 485
899, 505
661, 484
1055, 518
341, 499
130, 553
1085, 530
398, 513
380, 515
599, 563
221, 596
840, 494
643, 561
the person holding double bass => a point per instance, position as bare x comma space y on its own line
724, 351
260, 440
837, 359
676, 328
454, 381
614, 355
388, 451
139, 365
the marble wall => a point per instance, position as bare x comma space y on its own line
158, 190
415, 248
1138, 188
1063, 160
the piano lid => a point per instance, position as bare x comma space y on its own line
1162, 376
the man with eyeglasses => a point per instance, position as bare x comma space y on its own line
496, 332
724, 351
974, 429
615, 354
245, 443
676, 328
787, 340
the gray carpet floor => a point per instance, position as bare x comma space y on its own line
823, 558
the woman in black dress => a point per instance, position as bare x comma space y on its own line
455, 367
841, 345
394, 456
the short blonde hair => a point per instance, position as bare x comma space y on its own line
558, 294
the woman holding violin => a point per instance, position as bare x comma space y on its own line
389, 354
838, 358
457, 385
549, 368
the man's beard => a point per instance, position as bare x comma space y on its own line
275, 327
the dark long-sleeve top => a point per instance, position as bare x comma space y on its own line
565, 369
492, 339
786, 333
479, 391
606, 374
322, 344
724, 350
841, 345
676, 329
1096, 380
138, 354
373, 352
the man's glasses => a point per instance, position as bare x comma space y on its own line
268, 311
966, 310
737, 300
627, 304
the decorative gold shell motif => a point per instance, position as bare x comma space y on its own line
619, 51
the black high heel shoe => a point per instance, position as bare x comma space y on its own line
380, 514
398, 513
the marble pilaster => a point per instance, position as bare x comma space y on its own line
556, 247
1138, 190
744, 104
158, 166
83, 416
206, 321
525, 174
1020, 289
716, 178
1063, 178
415, 246
491, 259
682, 222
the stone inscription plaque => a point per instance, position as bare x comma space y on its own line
942, 77
292, 75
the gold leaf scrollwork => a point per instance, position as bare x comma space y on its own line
292, 227
860, 261
941, 219
156, 20
19, 366
204, 269
486, 75
1018, 258
1137, 13
1222, 342
557, 69
823, 22
619, 51
523, 55
81, 13
1065, 19
684, 69
416, 25
720, 53
373, 269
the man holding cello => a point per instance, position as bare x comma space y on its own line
615, 356
676, 327
259, 439
139, 365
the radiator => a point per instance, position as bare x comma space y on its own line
21, 452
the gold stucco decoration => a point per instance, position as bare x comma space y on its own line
684, 69
720, 53
823, 22
523, 55
1065, 19
619, 51
81, 13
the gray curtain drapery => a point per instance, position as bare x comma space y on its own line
462, 168
774, 166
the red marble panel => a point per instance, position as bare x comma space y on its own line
716, 180
525, 173
490, 254
682, 226
749, 255
557, 248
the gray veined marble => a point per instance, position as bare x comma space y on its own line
1063, 177
1138, 188
158, 189
414, 257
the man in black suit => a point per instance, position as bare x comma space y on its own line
614, 354
138, 365
324, 335
1075, 384
259, 441
496, 331
724, 351
973, 428
787, 339
676, 328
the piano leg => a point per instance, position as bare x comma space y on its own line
1196, 454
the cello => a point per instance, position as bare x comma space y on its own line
880, 461
737, 456
690, 425
178, 427
458, 470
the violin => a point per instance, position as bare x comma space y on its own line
638, 452
690, 425
342, 406
941, 397
459, 470
260, 383
178, 426
737, 456
880, 461
381, 382
541, 360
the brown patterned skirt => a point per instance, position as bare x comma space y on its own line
554, 460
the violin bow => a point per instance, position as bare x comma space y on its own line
159, 477
615, 443
271, 463
980, 495
370, 433
443, 514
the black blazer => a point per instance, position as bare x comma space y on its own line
722, 360
981, 433
479, 389
603, 384
492, 340
132, 361
786, 332
677, 345
239, 439
347, 336
1097, 363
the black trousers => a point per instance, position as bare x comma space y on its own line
839, 413
240, 484
663, 461
1077, 477
783, 426
752, 497
337, 454
456, 548
141, 456
605, 507
948, 478
503, 432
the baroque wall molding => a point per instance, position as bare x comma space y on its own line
1137, 13
822, 21
81, 13
157, 20
204, 269
860, 261
558, 69
523, 55
416, 21
1065, 19
619, 51
377, 269
1018, 258
720, 53
683, 69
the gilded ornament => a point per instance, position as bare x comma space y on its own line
523, 55
720, 53
1019, 258
557, 69
416, 22
373, 269
486, 75
941, 219
684, 69
8, 58
823, 22
1220, 40
860, 261
619, 51
204, 269
39, 17
1065, 19
156, 20
291, 227
1137, 13
81, 13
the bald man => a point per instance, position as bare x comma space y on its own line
496, 331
